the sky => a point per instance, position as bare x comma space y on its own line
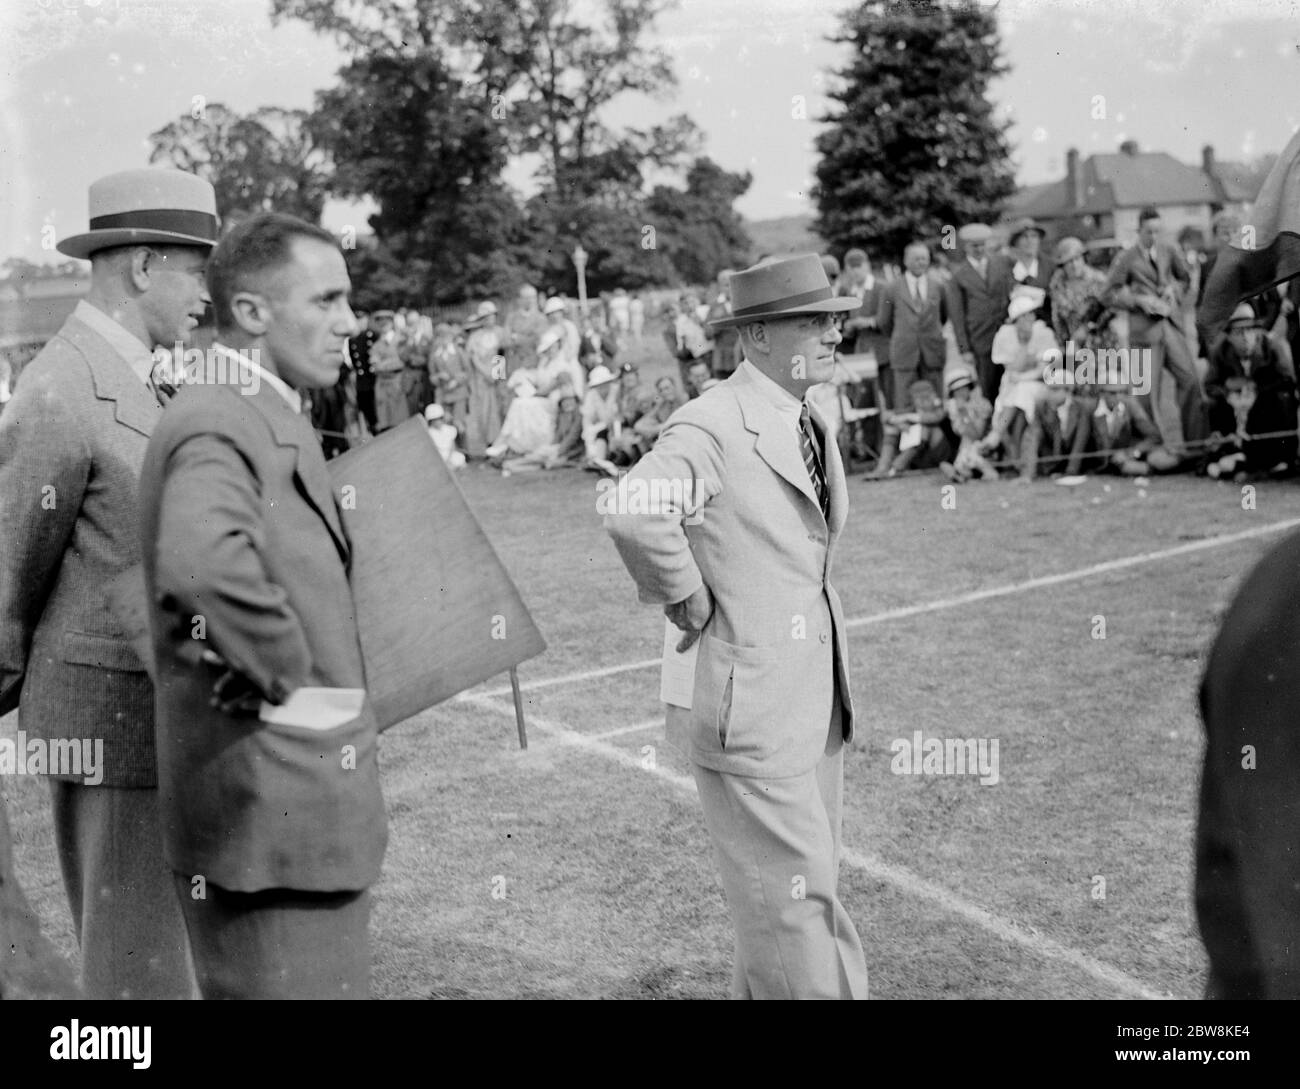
84, 82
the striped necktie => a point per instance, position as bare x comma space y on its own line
810, 459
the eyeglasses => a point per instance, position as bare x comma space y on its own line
821, 322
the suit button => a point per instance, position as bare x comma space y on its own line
824, 637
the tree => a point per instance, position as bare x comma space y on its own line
913, 146
408, 133
264, 162
698, 229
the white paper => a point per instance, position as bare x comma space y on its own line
677, 678
315, 708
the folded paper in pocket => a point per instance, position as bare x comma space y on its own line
315, 708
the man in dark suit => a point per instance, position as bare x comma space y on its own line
71, 444
274, 824
1148, 280
912, 313
978, 295
1247, 865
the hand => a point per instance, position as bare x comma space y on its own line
691, 616
235, 694
870, 323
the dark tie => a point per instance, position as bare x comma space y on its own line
810, 459
162, 389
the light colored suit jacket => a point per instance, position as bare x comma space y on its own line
71, 443
239, 528
774, 653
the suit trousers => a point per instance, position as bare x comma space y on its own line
124, 911
777, 844
278, 943
1170, 352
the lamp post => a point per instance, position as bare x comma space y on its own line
580, 263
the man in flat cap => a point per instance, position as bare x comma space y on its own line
72, 442
739, 553
978, 295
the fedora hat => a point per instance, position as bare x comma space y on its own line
784, 288
154, 204
1024, 226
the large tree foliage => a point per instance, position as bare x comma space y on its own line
266, 161
698, 229
913, 146
405, 131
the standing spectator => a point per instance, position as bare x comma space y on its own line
1079, 318
913, 310
557, 317
595, 346
360, 352
524, 325
414, 350
449, 372
636, 316
862, 333
386, 359
1246, 352
1029, 266
620, 313
978, 295
690, 343
1147, 280
726, 339
487, 380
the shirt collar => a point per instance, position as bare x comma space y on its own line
291, 396
1030, 269
780, 399
137, 355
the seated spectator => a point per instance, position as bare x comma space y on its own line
1247, 353
555, 367
634, 399
1124, 437
443, 435
1247, 454
1023, 413
530, 420
566, 451
668, 399
600, 421
698, 378
915, 438
969, 413
690, 343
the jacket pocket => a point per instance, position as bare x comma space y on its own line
101, 651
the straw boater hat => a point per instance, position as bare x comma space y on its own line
136, 207
549, 339
485, 310
784, 288
554, 305
600, 375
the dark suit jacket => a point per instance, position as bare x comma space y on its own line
71, 443
239, 527
979, 306
915, 335
1247, 864
1132, 276
867, 340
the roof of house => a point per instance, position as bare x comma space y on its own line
1125, 179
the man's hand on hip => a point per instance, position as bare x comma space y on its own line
690, 616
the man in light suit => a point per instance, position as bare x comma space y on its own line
1148, 281
274, 824
742, 565
978, 295
71, 444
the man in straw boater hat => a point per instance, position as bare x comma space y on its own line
72, 442
747, 501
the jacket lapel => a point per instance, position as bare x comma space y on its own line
312, 478
134, 405
774, 441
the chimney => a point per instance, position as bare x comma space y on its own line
1207, 159
1073, 179
1129, 147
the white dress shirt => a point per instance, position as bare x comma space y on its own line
291, 396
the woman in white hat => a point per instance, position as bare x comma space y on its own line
600, 418
1023, 347
530, 420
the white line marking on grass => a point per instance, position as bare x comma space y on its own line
636, 727
897, 876
945, 603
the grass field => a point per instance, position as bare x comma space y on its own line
580, 868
